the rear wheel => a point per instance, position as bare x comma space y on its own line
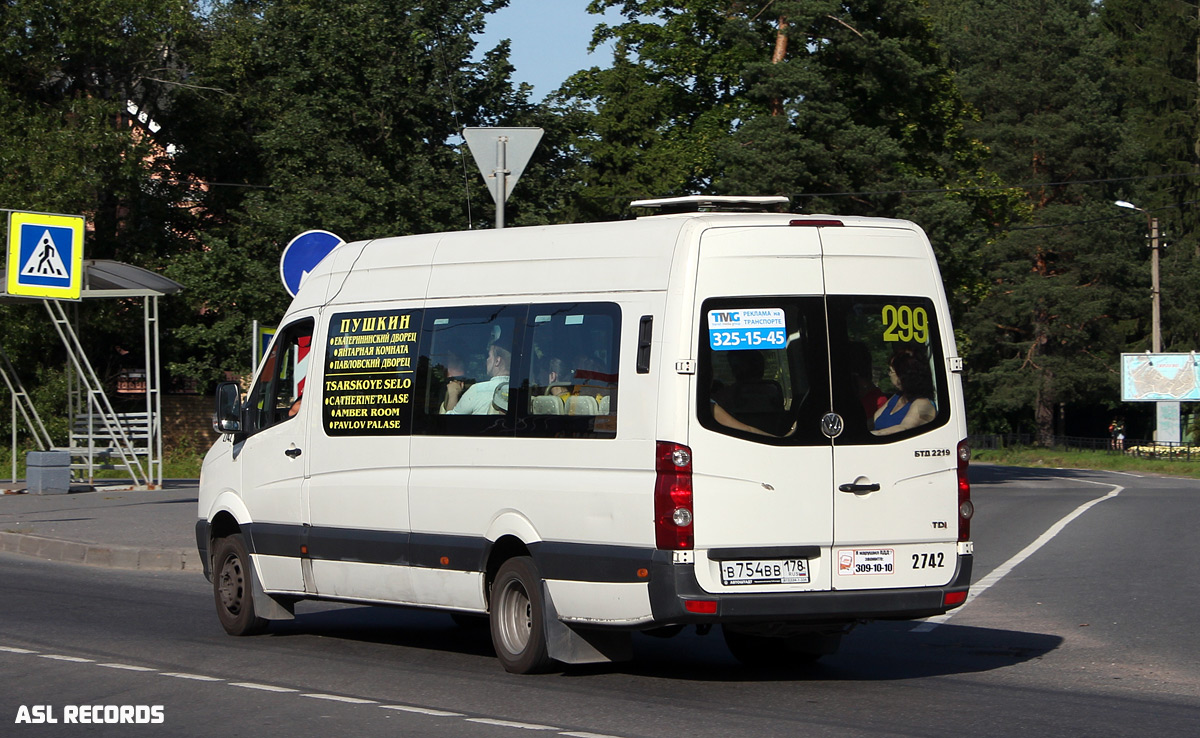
233, 587
518, 616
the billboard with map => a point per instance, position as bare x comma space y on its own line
1160, 377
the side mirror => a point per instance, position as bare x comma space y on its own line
228, 418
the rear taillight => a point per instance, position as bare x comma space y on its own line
966, 508
673, 497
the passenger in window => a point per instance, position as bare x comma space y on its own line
478, 399
751, 400
558, 377
303, 343
862, 373
447, 368
912, 405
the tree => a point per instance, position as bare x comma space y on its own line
1157, 47
650, 124
81, 84
1059, 305
306, 115
791, 98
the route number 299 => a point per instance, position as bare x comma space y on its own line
905, 324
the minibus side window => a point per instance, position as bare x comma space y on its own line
763, 370
569, 387
465, 370
887, 365
279, 389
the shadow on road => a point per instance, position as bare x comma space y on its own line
391, 626
881, 651
988, 474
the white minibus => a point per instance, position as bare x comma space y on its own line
709, 415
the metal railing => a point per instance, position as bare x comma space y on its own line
1140, 448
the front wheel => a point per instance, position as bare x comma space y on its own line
233, 587
517, 617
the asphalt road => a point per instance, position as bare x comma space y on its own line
1088, 632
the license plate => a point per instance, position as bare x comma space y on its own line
772, 571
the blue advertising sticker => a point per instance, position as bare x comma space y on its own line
751, 328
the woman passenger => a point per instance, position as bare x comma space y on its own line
912, 405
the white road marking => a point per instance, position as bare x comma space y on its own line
126, 667
422, 710
511, 724
340, 698
316, 695
1004, 569
263, 687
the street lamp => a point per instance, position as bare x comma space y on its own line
1164, 411
1155, 293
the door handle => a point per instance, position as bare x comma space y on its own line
859, 488
294, 452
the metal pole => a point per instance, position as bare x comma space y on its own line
158, 421
148, 388
501, 175
1155, 292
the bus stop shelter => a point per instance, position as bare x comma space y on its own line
131, 440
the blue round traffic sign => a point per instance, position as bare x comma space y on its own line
301, 256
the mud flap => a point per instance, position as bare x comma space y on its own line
572, 645
266, 606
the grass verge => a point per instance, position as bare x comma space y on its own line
1052, 458
179, 463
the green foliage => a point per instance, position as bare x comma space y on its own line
1055, 458
199, 137
70, 72
1156, 52
1060, 290
340, 117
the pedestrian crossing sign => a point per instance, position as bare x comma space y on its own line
45, 255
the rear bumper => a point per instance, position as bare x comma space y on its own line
673, 585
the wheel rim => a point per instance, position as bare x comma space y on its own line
231, 586
516, 617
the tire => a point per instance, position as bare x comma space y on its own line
233, 587
517, 617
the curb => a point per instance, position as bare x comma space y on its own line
95, 554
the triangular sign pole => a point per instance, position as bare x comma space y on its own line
501, 155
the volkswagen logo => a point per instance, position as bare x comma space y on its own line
831, 425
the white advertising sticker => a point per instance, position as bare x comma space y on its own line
749, 328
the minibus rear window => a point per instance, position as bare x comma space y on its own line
762, 373
889, 372
770, 368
